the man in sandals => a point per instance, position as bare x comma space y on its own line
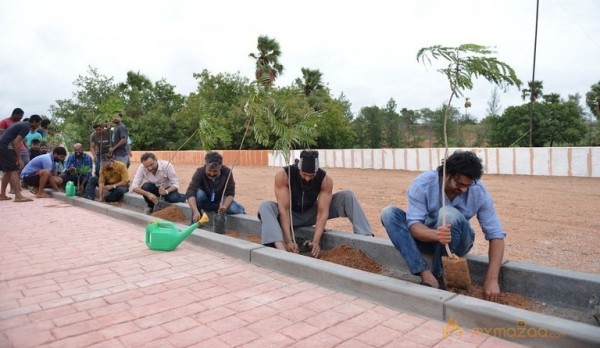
42, 172
312, 203
10, 156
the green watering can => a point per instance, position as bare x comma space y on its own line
163, 235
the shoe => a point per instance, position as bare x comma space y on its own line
148, 211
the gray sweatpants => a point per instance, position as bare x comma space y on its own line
343, 204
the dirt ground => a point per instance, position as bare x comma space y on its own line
548, 220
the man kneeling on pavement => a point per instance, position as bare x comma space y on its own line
113, 180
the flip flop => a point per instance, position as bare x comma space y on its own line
5, 198
23, 199
426, 284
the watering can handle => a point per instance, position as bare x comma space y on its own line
164, 223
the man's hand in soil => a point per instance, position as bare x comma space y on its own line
491, 291
152, 198
315, 249
291, 247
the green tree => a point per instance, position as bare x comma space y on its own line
409, 125
391, 125
311, 81
368, 126
268, 67
534, 90
592, 100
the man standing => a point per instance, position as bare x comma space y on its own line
119, 148
420, 228
42, 171
78, 168
207, 186
10, 158
311, 203
114, 181
99, 145
156, 178
16, 117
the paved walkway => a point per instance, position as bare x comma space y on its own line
72, 278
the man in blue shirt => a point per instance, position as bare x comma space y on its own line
41, 171
420, 228
78, 168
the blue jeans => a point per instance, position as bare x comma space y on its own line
204, 203
172, 197
394, 221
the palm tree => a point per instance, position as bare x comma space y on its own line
534, 91
267, 61
552, 98
310, 81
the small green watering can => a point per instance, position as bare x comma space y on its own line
163, 235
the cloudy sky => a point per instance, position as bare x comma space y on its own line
365, 49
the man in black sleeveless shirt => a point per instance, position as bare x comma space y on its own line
312, 203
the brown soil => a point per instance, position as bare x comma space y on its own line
249, 237
171, 213
505, 298
346, 256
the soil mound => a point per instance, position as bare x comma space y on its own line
171, 213
346, 256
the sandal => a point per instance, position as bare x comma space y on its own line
426, 284
23, 199
5, 198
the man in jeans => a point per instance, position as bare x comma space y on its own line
114, 181
156, 178
420, 228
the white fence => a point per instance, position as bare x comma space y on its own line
549, 161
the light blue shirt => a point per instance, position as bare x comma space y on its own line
424, 203
38, 163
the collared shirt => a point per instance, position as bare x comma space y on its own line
424, 202
40, 162
74, 162
116, 174
165, 176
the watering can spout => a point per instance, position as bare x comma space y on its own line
164, 235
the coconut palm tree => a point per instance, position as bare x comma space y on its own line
267, 60
310, 81
534, 91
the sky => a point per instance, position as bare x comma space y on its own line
365, 49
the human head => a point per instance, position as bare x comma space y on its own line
34, 121
213, 162
35, 144
78, 149
117, 118
98, 128
59, 153
17, 115
45, 123
107, 161
44, 147
308, 164
463, 163
149, 161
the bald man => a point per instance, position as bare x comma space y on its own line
78, 168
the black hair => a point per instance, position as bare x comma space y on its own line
463, 163
35, 118
25, 119
18, 111
309, 161
213, 159
309, 154
147, 155
35, 141
59, 150
45, 122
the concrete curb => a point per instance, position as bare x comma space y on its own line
395, 293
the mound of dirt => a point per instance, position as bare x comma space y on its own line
505, 298
171, 213
346, 256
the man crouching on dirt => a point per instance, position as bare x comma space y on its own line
312, 203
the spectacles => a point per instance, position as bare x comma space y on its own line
461, 185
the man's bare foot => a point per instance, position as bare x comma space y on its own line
43, 195
429, 279
5, 198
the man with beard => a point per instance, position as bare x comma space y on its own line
78, 168
119, 149
10, 158
42, 172
420, 228
311, 203
207, 186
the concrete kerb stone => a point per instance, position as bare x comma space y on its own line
486, 318
399, 294
391, 292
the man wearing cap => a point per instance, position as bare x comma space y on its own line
114, 181
207, 186
312, 203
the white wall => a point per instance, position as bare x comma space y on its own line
549, 161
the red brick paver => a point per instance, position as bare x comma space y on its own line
71, 277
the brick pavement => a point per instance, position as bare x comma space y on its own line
72, 278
